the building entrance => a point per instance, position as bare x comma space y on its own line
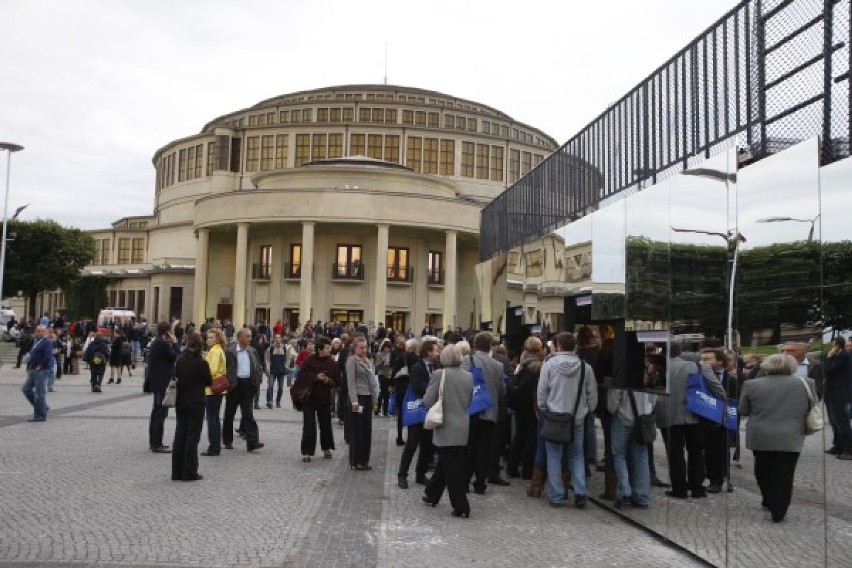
396, 321
347, 316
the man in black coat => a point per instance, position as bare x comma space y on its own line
418, 378
162, 353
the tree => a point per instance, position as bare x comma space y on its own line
44, 256
85, 296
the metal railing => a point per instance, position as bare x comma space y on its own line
400, 273
348, 271
435, 277
765, 76
261, 271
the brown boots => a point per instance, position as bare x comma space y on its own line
536, 484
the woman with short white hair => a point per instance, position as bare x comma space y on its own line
777, 405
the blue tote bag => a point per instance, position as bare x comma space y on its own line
707, 405
392, 404
481, 399
413, 409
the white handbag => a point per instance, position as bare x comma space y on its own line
435, 416
814, 422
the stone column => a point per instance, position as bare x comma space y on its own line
241, 276
381, 293
450, 265
307, 280
202, 245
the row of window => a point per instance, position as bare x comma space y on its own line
423, 155
130, 251
348, 264
406, 117
133, 299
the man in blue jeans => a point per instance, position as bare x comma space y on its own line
40, 365
564, 386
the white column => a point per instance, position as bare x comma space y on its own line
241, 276
381, 295
450, 281
307, 280
202, 244
483, 275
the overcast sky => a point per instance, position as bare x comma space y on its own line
93, 88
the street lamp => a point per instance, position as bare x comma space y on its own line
784, 219
9, 147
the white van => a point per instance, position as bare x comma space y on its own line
6, 315
108, 318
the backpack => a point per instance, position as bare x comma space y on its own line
514, 388
98, 359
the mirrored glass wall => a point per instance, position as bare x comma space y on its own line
727, 264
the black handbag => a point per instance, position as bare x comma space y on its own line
644, 427
558, 427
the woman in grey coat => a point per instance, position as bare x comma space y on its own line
777, 406
451, 437
359, 373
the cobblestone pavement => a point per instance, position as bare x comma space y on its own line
82, 489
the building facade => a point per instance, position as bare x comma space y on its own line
355, 203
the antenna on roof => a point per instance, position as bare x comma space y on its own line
386, 62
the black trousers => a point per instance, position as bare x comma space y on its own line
311, 414
501, 438
480, 444
774, 472
190, 419
522, 452
399, 392
686, 474
97, 372
418, 436
450, 473
241, 396
361, 431
384, 396
716, 453
157, 423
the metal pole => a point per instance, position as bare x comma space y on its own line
5, 221
730, 338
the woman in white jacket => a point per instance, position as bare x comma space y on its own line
634, 482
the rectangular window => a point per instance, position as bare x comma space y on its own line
434, 120
318, 147
335, 145
296, 115
495, 128
308, 115
460, 123
253, 120
378, 115
390, 116
211, 154
534, 262
303, 149
430, 155
514, 165
526, 162
357, 145
481, 161
294, 270
363, 115
420, 118
348, 263
199, 160
449, 121
504, 131
348, 115
270, 118
322, 115
261, 120
413, 151
537, 159
486, 127
140, 301
448, 157
123, 251
471, 124
182, 165
408, 117
252, 153
392, 149
137, 253
190, 163
284, 116
335, 115
282, 149
468, 149
436, 267
496, 163
374, 146
267, 152
398, 269
263, 268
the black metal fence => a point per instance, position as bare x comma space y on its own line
765, 76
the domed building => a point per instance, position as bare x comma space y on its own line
353, 203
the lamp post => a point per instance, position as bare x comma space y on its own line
9, 147
784, 219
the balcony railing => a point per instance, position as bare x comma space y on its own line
400, 273
348, 271
261, 271
436, 277
292, 270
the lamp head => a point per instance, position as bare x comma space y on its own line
10, 147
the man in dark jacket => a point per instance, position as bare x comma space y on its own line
39, 367
161, 368
837, 391
418, 379
244, 376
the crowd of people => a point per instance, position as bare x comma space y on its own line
534, 416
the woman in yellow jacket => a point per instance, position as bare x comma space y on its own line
216, 360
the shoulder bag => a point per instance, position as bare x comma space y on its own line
170, 398
644, 426
814, 422
219, 385
435, 415
558, 427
